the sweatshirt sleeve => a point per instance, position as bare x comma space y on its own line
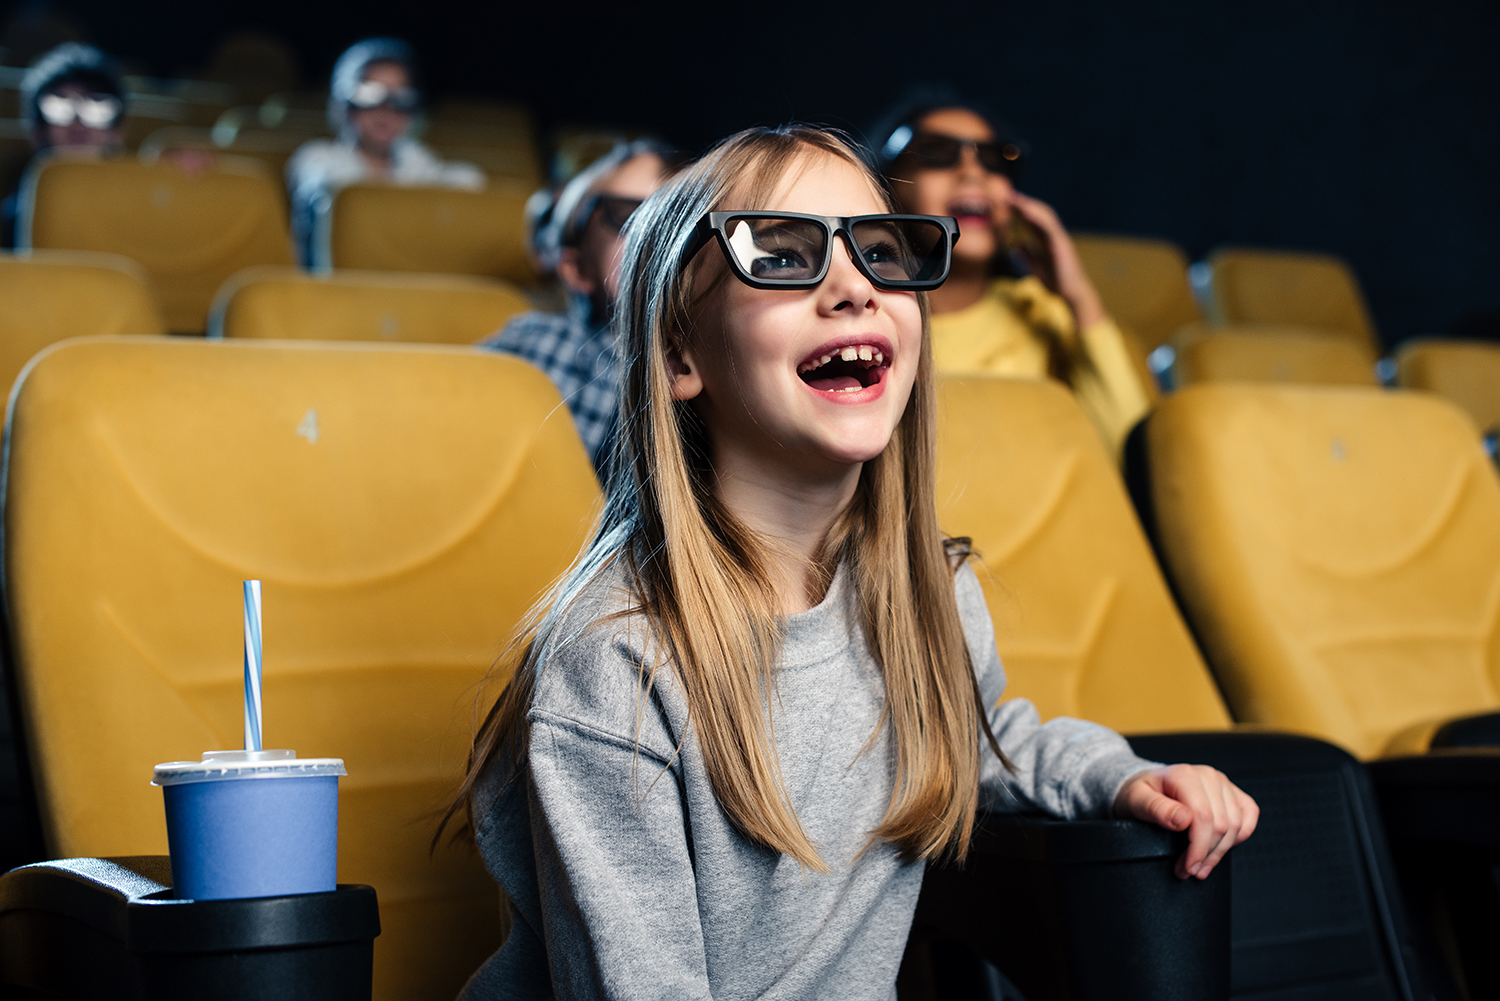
613, 865
1070, 768
1107, 383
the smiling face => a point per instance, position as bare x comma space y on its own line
801, 383
966, 191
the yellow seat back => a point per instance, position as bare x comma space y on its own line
1083, 619
378, 228
1285, 287
189, 231
51, 295
363, 306
1250, 353
1143, 282
403, 504
1464, 372
1338, 552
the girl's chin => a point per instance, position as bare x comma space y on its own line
853, 453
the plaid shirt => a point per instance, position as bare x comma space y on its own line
580, 361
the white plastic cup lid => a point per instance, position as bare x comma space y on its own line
220, 765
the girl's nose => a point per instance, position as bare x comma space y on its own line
846, 287
968, 163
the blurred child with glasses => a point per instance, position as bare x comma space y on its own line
72, 101
1018, 301
575, 234
373, 103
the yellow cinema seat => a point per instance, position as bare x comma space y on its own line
1464, 372
1251, 353
1337, 550
291, 304
379, 228
51, 295
403, 504
1143, 283
190, 231
1083, 619
1285, 287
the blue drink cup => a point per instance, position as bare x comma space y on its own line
251, 824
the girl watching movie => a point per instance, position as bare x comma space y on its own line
1018, 301
768, 693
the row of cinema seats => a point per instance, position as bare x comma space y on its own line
406, 281
405, 503
1272, 316
190, 231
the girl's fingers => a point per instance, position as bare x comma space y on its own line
1250, 811
1216, 813
1225, 794
1163, 810
1192, 787
1037, 212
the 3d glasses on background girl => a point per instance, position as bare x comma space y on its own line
768, 691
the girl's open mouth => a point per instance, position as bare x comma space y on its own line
845, 369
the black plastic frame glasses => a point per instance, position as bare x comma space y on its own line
613, 211
935, 150
859, 233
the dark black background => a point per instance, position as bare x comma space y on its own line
1364, 129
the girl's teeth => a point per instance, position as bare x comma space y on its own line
855, 352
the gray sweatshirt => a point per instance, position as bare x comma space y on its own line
627, 880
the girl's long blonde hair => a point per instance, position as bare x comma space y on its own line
699, 574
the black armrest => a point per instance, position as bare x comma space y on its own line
1442, 811
1317, 911
89, 928
1471, 731
1449, 796
1083, 910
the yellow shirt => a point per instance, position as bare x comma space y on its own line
1019, 328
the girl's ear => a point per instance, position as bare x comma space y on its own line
682, 369
570, 270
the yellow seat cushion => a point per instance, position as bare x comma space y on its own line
1143, 282
1338, 552
1287, 287
381, 228
190, 231
1083, 619
404, 505
1263, 353
51, 295
291, 304
1464, 372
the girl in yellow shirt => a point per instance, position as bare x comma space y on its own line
949, 160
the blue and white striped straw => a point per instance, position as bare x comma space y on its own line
252, 665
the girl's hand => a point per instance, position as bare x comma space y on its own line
1064, 273
1214, 811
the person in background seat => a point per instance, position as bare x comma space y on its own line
1018, 301
576, 235
373, 103
72, 98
